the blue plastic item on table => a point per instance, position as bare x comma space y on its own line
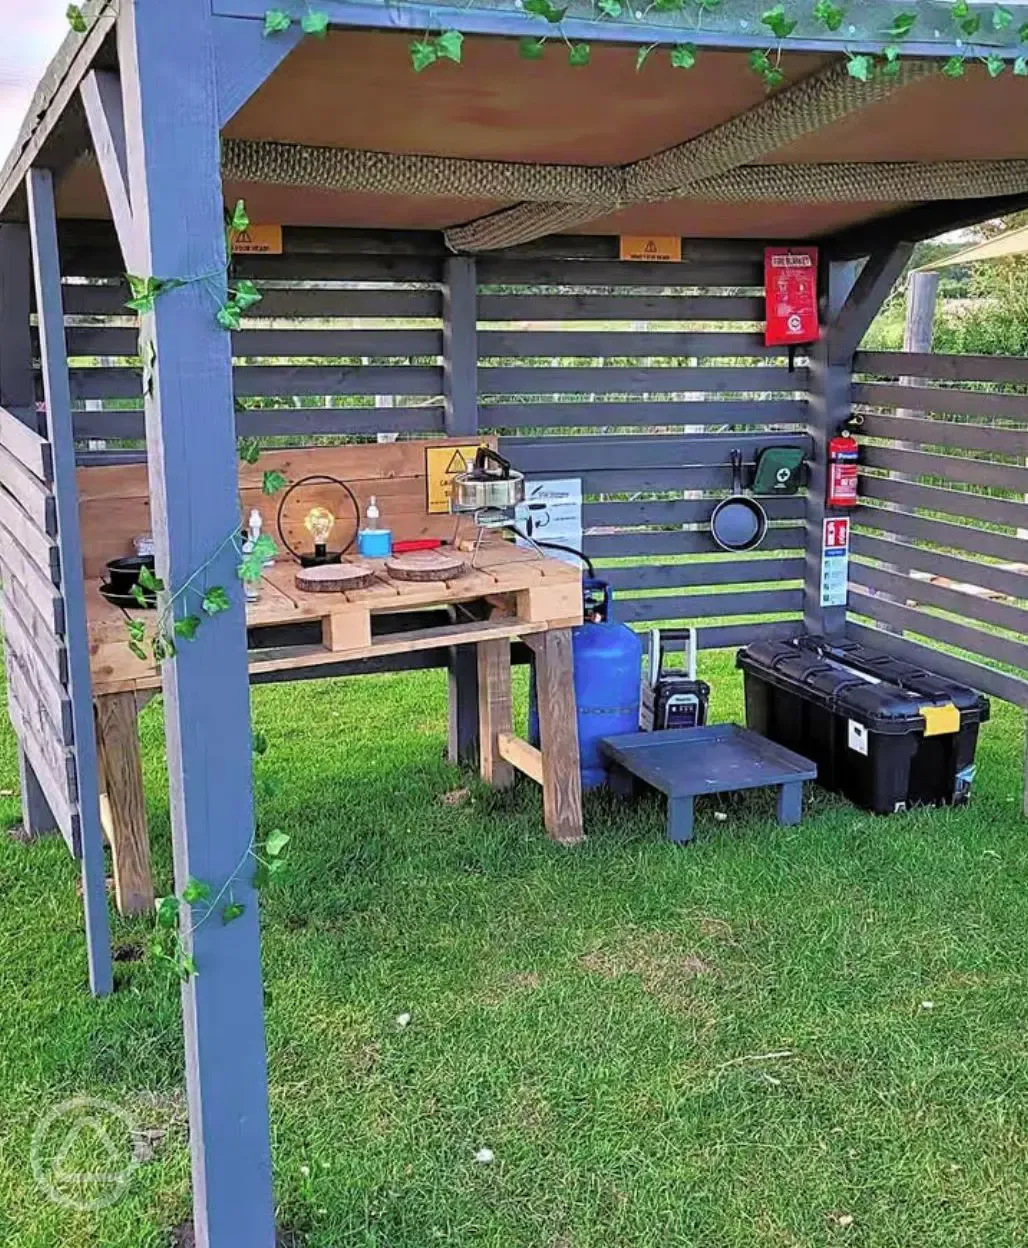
375, 543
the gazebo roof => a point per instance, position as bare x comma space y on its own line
355, 91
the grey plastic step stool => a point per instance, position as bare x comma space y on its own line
687, 763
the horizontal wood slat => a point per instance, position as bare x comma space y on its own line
707, 606
532, 455
1010, 370
573, 344
976, 675
24, 580
928, 432
677, 511
744, 308
31, 450
39, 674
630, 380
668, 542
329, 268
908, 589
963, 537
281, 303
965, 571
725, 636
617, 273
269, 422
951, 502
118, 342
669, 413
38, 629
35, 498
719, 572
981, 403
973, 640
956, 468
61, 806
253, 381
20, 526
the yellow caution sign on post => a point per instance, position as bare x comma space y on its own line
258, 240
442, 464
655, 248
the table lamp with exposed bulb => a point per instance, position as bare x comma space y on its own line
319, 523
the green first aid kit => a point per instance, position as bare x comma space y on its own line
779, 470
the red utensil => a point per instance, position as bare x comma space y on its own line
417, 543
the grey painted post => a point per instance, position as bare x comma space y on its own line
36, 816
54, 357
167, 59
460, 383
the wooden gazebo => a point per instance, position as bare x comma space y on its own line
449, 243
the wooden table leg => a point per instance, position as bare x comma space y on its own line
495, 711
122, 806
790, 803
679, 820
558, 735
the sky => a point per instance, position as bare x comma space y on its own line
33, 30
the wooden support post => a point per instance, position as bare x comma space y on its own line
17, 385
855, 293
54, 358
102, 101
36, 816
495, 711
124, 818
167, 62
558, 735
462, 734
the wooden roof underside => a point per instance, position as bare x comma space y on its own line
356, 89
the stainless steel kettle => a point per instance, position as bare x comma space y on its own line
489, 484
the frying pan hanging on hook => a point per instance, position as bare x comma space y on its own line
739, 522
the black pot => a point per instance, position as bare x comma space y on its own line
739, 523
122, 574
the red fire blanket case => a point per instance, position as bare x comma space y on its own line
790, 286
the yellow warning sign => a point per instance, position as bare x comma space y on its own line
258, 240
650, 247
442, 463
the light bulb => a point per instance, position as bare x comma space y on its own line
319, 523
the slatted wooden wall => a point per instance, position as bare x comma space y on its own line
38, 698
641, 380
941, 536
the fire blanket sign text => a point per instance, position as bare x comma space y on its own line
790, 285
835, 561
552, 512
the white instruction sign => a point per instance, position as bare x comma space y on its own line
552, 512
835, 561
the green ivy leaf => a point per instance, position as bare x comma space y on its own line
995, 65
162, 647
643, 55
240, 220
229, 316
530, 49
760, 63
776, 20
136, 629
195, 890
149, 580
1002, 19
249, 450
1022, 33
273, 482
668, 6
828, 14
261, 876
139, 594
892, 62
276, 21
232, 911
579, 54
142, 305
258, 742
315, 23
450, 45
683, 55
545, 9
215, 600
187, 968
861, 67
423, 53
246, 295
76, 19
138, 651
167, 911
186, 627
968, 22
954, 67
610, 8
902, 25
276, 843
250, 569
264, 547
1021, 67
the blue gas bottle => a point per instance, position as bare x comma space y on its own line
608, 667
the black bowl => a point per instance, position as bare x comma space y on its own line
122, 574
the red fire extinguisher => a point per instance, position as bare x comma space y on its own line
843, 454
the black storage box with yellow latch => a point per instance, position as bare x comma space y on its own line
885, 733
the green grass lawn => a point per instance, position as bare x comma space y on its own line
600, 1018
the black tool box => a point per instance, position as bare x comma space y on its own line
885, 733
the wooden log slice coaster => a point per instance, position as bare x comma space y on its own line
426, 565
335, 578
